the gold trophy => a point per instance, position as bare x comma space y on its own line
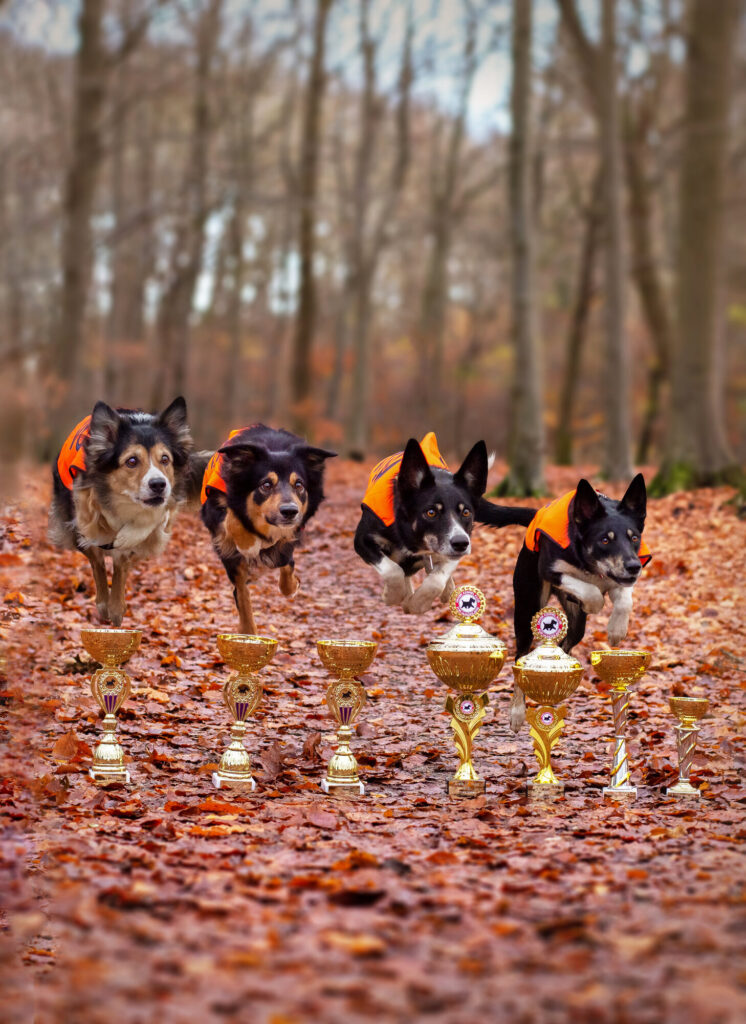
345, 698
620, 669
467, 659
242, 694
111, 687
688, 710
547, 675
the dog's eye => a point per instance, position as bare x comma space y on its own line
266, 487
132, 461
466, 512
431, 513
298, 486
604, 541
165, 460
634, 538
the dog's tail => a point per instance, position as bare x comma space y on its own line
502, 515
193, 473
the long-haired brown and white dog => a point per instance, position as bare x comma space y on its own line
117, 482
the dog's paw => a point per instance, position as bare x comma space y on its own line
419, 602
117, 614
517, 711
448, 589
102, 610
616, 632
395, 591
289, 584
593, 603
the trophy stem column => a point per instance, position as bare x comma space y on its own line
466, 711
545, 728
686, 742
344, 697
620, 773
108, 757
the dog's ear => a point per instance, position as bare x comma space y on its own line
635, 498
414, 471
241, 453
314, 457
586, 503
472, 473
104, 430
174, 420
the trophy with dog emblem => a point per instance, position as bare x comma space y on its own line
548, 676
467, 659
345, 698
110, 685
620, 669
242, 695
688, 710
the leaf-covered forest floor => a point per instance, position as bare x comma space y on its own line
171, 901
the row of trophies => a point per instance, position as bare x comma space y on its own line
466, 658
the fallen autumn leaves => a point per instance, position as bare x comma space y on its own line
168, 900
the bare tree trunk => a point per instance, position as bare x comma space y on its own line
301, 377
617, 461
79, 191
526, 455
186, 257
697, 451
578, 324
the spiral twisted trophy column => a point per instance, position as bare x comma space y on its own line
620, 669
345, 698
688, 710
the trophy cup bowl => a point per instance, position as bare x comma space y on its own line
110, 686
548, 687
466, 671
242, 695
688, 710
345, 698
620, 669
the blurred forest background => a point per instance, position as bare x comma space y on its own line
362, 219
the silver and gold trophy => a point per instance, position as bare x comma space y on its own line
620, 669
242, 694
548, 676
688, 710
110, 685
467, 659
345, 697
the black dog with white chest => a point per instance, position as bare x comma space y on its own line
580, 548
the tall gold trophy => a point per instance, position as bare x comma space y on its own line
467, 659
345, 697
620, 669
688, 710
242, 694
547, 675
110, 685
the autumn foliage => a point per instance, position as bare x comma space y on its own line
168, 900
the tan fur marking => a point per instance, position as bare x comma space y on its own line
243, 602
289, 581
236, 532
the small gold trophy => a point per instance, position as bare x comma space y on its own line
620, 669
110, 686
467, 659
688, 710
547, 675
345, 698
242, 695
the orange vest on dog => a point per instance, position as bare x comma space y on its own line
379, 494
554, 519
213, 476
71, 459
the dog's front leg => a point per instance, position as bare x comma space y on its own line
621, 600
118, 598
96, 557
589, 596
517, 708
395, 584
243, 601
431, 589
289, 580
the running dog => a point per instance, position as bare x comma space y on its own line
259, 490
580, 548
418, 515
117, 483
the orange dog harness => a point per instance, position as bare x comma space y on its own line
553, 520
379, 494
213, 477
71, 459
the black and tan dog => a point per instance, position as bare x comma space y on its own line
259, 490
117, 483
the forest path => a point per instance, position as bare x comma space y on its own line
169, 900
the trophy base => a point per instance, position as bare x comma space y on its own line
105, 778
620, 792
342, 788
545, 790
684, 790
219, 781
466, 788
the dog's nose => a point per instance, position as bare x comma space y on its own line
288, 512
459, 546
633, 568
157, 486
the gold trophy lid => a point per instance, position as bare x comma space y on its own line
549, 628
467, 604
